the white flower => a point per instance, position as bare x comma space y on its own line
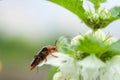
112, 69
98, 34
59, 76
90, 67
66, 64
69, 69
101, 36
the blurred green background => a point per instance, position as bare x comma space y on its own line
16, 54
28, 25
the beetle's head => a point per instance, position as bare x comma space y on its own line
52, 49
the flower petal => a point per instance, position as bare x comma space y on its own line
59, 76
98, 34
70, 69
90, 67
112, 70
91, 62
55, 61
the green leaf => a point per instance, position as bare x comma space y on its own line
75, 6
64, 46
115, 47
97, 3
52, 72
115, 12
92, 45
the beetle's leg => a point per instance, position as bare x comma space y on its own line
54, 55
45, 59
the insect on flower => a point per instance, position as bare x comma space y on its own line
43, 53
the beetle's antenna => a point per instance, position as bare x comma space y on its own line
56, 42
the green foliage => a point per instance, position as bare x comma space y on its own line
97, 20
52, 72
90, 44
64, 46
115, 47
113, 50
97, 3
115, 12
15, 49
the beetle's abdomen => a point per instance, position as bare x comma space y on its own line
43, 56
43, 53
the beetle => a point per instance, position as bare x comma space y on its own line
42, 55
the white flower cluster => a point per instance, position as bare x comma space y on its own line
89, 68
